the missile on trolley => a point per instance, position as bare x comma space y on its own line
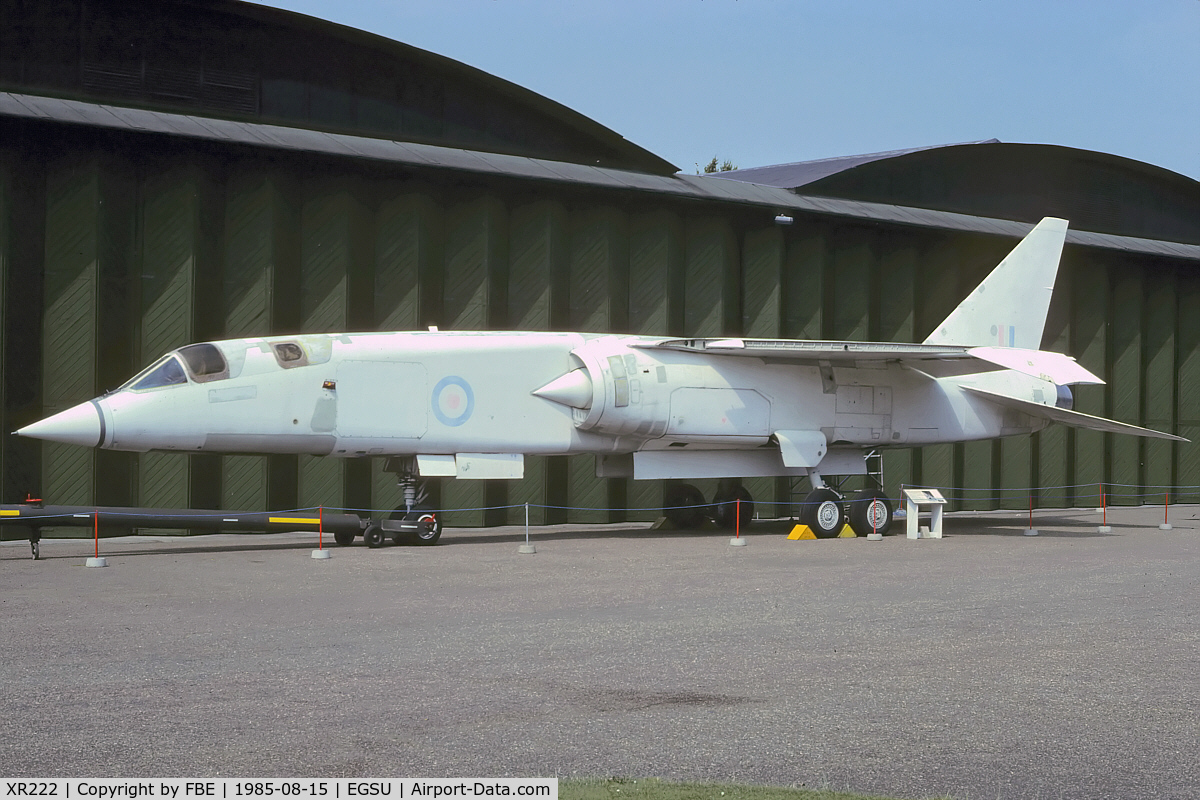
457, 404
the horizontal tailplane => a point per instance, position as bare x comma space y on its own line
1076, 419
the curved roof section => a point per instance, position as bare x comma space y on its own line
802, 173
1096, 191
245, 61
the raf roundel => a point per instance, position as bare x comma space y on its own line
453, 401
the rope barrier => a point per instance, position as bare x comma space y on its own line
1104, 494
1179, 497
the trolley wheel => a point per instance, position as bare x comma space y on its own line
823, 513
373, 536
344, 538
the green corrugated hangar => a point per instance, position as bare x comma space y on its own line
186, 170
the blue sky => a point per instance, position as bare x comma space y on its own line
775, 81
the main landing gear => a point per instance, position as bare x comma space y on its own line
685, 508
824, 511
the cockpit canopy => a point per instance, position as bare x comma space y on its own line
204, 362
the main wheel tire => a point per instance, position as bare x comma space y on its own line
373, 536
344, 538
727, 508
870, 512
823, 514
683, 505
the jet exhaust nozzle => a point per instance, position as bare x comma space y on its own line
573, 389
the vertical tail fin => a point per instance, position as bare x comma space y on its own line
1009, 307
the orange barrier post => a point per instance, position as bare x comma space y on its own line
737, 540
1166, 523
96, 561
1031, 531
320, 552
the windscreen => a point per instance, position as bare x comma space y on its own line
167, 371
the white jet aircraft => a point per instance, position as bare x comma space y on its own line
464, 404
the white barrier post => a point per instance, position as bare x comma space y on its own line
527, 547
1104, 527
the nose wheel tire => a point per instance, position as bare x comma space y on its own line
425, 538
344, 538
430, 535
823, 514
870, 512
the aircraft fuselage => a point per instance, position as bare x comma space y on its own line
445, 393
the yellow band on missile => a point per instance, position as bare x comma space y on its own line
10, 512
294, 520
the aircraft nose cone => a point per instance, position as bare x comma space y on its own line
81, 425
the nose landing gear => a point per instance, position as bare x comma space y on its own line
414, 522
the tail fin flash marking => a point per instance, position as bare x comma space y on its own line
1010, 305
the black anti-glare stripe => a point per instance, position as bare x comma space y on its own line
99, 413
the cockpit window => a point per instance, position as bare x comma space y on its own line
205, 362
167, 372
290, 354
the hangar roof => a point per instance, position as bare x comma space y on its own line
1096, 191
802, 173
251, 62
407, 154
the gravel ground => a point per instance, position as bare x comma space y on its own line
985, 665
